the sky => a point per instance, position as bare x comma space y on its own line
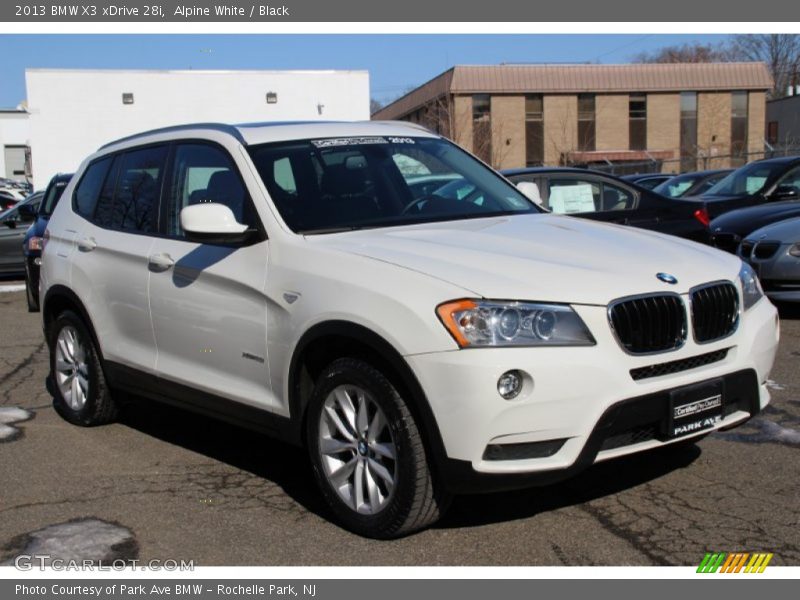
395, 63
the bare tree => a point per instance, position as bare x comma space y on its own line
685, 53
780, 51
374, 106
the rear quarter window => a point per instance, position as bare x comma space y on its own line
88, 189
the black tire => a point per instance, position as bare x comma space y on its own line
33, 301
416, 502
100, 407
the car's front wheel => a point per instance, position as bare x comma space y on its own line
82, 395
368, 455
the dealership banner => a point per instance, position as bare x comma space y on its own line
398, 589
198, 11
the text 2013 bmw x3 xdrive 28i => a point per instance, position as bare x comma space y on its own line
285, 277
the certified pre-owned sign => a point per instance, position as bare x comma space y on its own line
687, 410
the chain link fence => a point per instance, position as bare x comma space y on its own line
699, 162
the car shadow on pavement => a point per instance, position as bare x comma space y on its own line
602, 479
289, 468
279, 463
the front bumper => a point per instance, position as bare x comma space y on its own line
32, 267
587, 397
779, 273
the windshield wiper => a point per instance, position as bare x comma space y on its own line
323, 230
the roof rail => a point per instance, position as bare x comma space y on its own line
407, 123
222, 127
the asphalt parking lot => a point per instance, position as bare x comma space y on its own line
163, 484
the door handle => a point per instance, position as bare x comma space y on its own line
87, 244
160, 262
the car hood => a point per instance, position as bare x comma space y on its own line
744, 220
540, 257
787, 231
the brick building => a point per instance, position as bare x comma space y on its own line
670, 117
783, 121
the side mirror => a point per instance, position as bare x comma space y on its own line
531, 191
784, 192
28, 210
212, 223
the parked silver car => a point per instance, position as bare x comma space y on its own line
774, 253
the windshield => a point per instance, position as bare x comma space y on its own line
750, 179
52, 195
677, 186
327, 185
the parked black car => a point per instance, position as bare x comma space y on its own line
731, 228
601, 197
13, 223
696, 183
760, 182
32, 244
7, 200
647, 180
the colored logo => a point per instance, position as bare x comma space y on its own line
667, 278
734, 562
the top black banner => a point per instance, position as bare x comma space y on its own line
441, 11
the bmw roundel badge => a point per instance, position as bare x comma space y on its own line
667, 278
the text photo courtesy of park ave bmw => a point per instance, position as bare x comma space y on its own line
395, 300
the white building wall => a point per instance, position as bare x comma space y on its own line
14, 131
74, 112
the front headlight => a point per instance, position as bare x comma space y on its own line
474, 323
751, 287
795, 250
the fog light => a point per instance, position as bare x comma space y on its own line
510, 384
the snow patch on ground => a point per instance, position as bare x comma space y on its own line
82, 539
16, 287
774, 385
765, 431
8, 416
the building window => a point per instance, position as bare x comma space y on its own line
637, 122
482, 127
688, 131
738, 128
534, 131
772, 132
586, 122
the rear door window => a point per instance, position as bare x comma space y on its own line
138, 189
571, 195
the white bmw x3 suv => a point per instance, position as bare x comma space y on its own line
376, 294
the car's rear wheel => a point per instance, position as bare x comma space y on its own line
82, 395
367, 452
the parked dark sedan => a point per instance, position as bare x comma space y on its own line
601, 197
647, 180
13, 223
760, 182
7, 200
774, 253
32, 244
696, 183
731, 228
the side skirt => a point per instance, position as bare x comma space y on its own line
181, 396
